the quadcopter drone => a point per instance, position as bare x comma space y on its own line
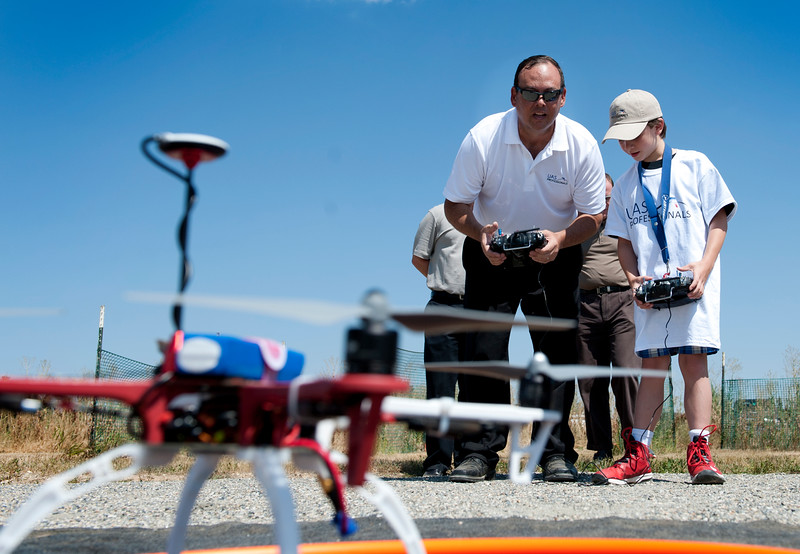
217, 395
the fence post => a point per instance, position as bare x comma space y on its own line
92, 437
722, 405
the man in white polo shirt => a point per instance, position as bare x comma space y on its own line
521, 169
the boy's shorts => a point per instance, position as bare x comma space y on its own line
659, 352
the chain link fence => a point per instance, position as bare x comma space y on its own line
399, 438
110, 417
755, 413
761, 413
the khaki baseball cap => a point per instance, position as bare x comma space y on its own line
629, 114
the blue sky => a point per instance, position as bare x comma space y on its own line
343, 119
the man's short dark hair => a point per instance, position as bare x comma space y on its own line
536, 60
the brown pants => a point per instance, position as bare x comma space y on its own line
606, 336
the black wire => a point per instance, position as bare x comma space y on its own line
185, 269
652, 417
183, 241
666, 336
135, 412
158, 162
546, 305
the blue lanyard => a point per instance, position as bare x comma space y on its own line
657, 219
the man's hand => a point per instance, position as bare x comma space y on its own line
549, 251
487, 232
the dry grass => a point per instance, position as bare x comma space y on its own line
64, 432
37, 467
34, 447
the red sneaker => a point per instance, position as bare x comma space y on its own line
632, 468
698, 457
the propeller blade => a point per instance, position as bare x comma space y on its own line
506, 371
439, 320
433, 320
308, 311
30, 312
430, 412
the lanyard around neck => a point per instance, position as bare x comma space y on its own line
657, 219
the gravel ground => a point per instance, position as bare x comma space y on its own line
134, 516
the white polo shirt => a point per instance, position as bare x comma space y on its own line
495, 170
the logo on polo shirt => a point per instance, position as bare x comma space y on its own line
556, 179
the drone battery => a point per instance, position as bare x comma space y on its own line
225, 356
280, 363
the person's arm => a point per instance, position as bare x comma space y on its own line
421, 264
581, 228
717, 231
461, 217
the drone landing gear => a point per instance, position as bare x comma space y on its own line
56, 492
267, 465
533, 452
268, 469
384, 498
398, 518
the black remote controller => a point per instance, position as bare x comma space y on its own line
669, 292
517, 245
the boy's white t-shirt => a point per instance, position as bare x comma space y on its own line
697, 193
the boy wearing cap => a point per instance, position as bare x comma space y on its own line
666, 227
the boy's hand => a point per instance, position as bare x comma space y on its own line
700, 272
635, 283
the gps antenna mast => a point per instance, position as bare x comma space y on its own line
191, 149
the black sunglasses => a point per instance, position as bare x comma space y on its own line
533, 96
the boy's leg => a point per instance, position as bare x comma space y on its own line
697, 399
697, 396
650, 397
634, 466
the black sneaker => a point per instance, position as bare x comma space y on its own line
559, 470
437, 470
472, 470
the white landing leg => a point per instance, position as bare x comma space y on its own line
268, 467
395, 513
56, 492
202, 469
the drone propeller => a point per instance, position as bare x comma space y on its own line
30, 312
375, 309
539, 364
443, 416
